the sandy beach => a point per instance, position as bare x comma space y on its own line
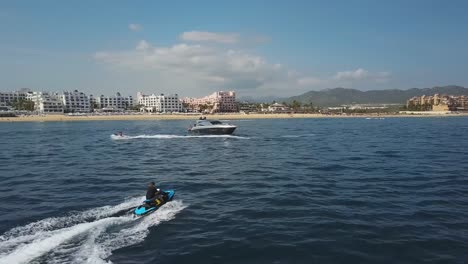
136, 117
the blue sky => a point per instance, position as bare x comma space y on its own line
257, 48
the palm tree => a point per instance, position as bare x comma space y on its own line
23, 104
296, 105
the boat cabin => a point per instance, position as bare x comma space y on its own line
208, 122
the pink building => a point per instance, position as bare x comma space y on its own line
216, 102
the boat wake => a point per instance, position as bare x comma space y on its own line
83, 237
162, 136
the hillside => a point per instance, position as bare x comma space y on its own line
340, 96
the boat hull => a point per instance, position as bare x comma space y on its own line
213, 131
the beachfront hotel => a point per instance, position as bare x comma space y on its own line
68, 102
117, 102
439, 102
45, 102
278, 108
79, 102
7, 98
218, 102
75, 102
159, 103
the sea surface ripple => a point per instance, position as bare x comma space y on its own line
391, 190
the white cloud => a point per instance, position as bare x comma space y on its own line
135, 27
196, 69
205, 36
201, 65
143, 45
358, 74
361, 75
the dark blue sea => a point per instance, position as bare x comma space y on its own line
392, 190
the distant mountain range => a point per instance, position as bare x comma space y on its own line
341, 96
260, 99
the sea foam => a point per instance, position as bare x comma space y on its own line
162, 136
84, 237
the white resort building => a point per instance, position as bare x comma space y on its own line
76, 102
112, 102
215, 102
7, 98
45, 102
159, 103
277, 107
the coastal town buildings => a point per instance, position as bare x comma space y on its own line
438, 102
45, 102
277, 108
159, 103
75, 102
246, 107
117, 102
79, 102
216, 102
7, 98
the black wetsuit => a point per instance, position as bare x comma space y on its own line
151, 192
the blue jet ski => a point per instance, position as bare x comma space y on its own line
146, 207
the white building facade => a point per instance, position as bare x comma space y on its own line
7, 98
277, 107
45, 102
159, 103
76, 102
115, 102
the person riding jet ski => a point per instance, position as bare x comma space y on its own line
154, 196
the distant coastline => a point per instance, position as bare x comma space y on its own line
149, 117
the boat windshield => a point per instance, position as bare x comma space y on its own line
208, 122
203, 123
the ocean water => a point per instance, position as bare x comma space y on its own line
391, 190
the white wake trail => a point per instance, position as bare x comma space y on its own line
96, 250
85, 237
40, 246
163, 136
31, 231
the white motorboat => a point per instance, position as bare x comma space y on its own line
212, 127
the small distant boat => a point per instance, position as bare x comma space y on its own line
119, 134
212, 127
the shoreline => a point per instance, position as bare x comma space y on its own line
150, 117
